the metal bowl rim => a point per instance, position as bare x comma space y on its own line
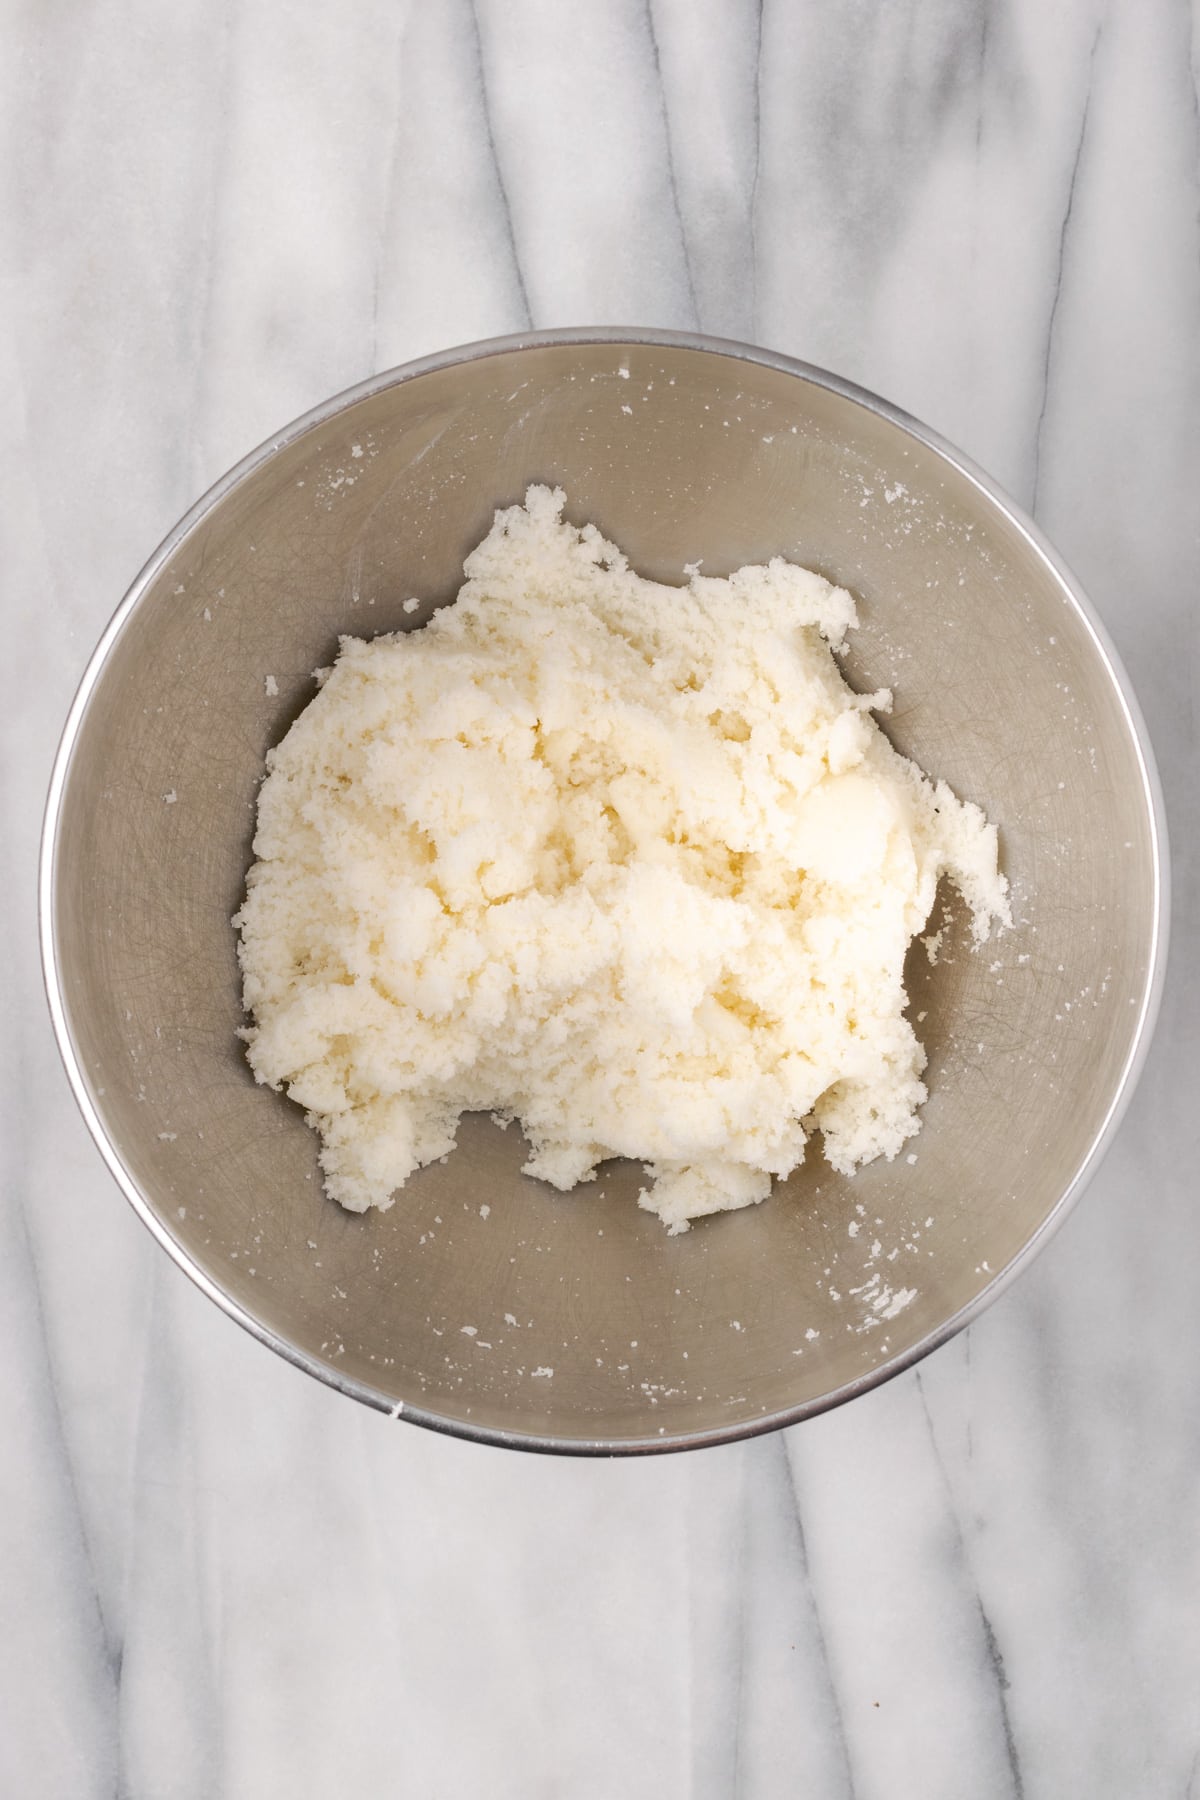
1072, 593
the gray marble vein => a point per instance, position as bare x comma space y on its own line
217, 1577
1068, 207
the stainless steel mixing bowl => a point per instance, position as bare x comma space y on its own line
483, 1302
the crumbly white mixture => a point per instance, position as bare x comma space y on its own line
629, 863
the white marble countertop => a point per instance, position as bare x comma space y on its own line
219, 1578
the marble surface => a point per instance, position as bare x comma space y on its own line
218, 1578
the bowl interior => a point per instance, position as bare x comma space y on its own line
482, 1297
